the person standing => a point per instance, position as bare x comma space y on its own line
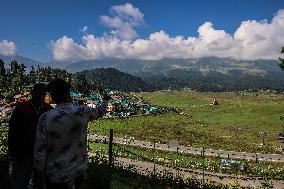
60, 153
21, 135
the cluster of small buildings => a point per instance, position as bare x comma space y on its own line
119, 105
25, 95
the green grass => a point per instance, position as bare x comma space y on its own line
233, 125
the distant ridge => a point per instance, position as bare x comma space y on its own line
222, 65
28, 62
204, 74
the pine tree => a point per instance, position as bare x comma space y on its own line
16, 76
2, 76
31, 76
281, 60
80, 84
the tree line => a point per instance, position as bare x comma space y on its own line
13, 78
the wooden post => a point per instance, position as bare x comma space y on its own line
203, 164
154, 148
110, 154
110, 159
256, 159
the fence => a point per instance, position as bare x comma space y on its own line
160, 159
173, 147
164, 161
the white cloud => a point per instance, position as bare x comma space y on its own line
123, 19
7, 48
128, 13
261, 39
252, 40
66, 49
84, 29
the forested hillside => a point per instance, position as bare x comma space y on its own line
216, 81
112, 78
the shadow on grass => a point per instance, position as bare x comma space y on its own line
100, 176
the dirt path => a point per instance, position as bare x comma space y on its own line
190, 150
146, 168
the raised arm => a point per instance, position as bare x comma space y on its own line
98, 112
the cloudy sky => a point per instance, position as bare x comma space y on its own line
72, 30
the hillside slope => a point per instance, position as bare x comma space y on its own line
116, 79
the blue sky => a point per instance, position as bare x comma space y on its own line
32, 25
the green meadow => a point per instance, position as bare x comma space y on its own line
241, 122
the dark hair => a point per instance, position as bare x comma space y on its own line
59, 90
38, 90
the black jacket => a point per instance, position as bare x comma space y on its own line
22, 128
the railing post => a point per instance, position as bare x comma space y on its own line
110, 160
110, 154
154, 149
203, 164
256, 159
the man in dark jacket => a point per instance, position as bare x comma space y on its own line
21, 138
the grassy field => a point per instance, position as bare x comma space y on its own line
235, 124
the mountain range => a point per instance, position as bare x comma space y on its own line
164, 66
28, 62
204, 74
209, 73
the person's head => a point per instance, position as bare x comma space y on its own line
59, 91
38, 93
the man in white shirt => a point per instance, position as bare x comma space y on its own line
60, 152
